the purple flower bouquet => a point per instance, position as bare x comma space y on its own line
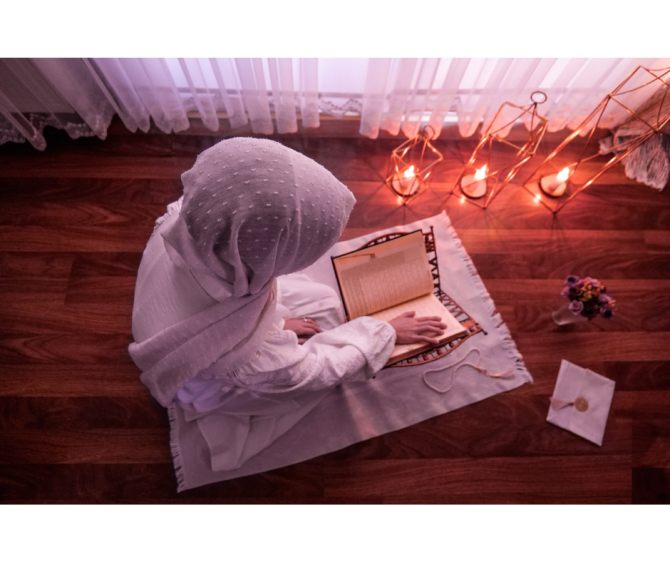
588, 298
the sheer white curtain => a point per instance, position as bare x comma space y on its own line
272, 95
57, 92
82, 95
401, 93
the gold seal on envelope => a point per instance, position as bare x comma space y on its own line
581, 403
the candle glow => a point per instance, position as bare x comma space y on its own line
554, 185
405, 183
475, 186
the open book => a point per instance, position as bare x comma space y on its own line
393, 277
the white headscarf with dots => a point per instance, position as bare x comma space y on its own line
252, 210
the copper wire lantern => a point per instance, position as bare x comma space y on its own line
411, 165
481, 179
554, 183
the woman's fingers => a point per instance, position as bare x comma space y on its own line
306, 330
302, 326
432, 332
431, 327
429, 318
435, 323
422, 329
309, 322
417, 338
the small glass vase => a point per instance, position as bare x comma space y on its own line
565, 316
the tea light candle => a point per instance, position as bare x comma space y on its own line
555, 185
404, 183
475, 186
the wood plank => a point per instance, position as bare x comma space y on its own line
51, 214
485, 481
35, 318
20, 293
36, 265
651, 428
116, 238
658, 241
80, 413
72, 380
106, 264
493, 241
615, 346
82, 166
206, 501
152, 483
116, 291
651, 485
532, 265
94, 190
641, 375
84, 446
76, 348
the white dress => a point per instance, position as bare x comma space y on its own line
285, 379
282, 367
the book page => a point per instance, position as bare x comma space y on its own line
385, 275
427, 305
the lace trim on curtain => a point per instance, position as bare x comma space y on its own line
9, 133
75, 130
338, 111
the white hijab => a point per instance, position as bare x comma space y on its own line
253, 210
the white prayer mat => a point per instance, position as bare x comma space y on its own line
398, 397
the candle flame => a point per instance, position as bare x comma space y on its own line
462, 198
563, 175
399, 200
409, 172
481, 173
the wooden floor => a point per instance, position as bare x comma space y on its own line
77, 426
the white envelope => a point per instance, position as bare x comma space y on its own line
596, 393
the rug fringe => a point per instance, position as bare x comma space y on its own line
175, 449
513, 351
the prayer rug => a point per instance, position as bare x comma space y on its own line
397, 398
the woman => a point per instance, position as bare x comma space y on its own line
224, 326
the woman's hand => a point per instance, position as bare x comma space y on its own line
304, 327
414, 330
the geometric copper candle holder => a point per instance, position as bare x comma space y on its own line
643, 94
482, 177
411, 165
